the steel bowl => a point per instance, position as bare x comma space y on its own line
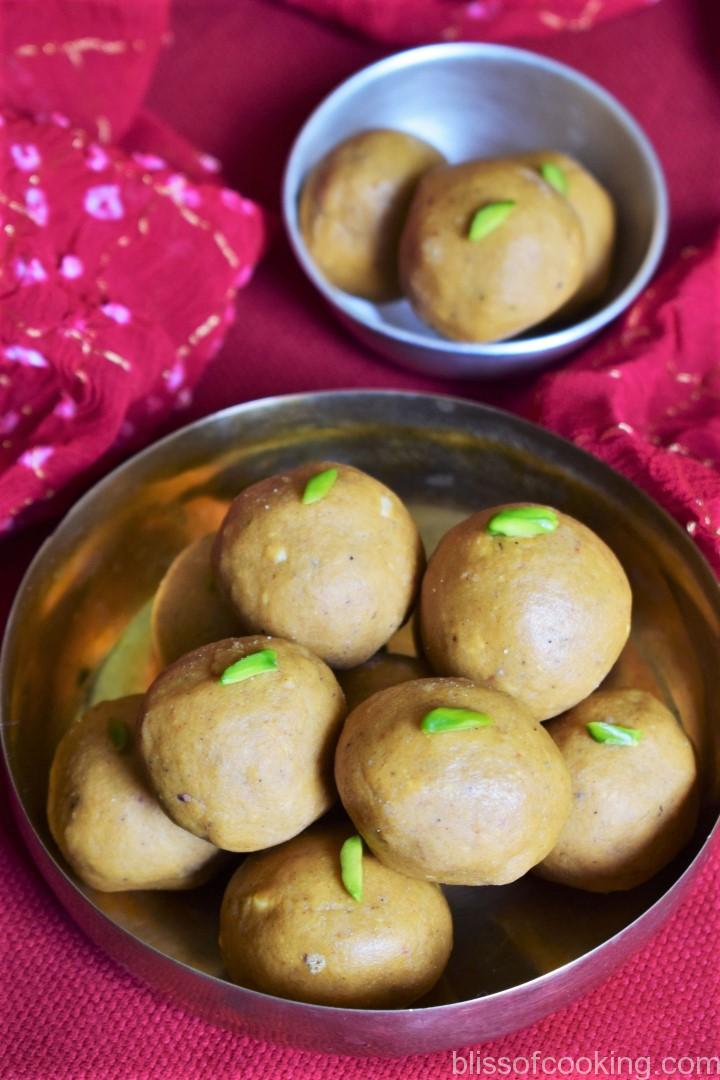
470, 101
78, 629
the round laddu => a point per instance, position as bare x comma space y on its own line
378, 673
247, 764
189, 609
288, 927
469, 807
338, 575
543, 618
634, 806
596, 213
353, 207
494, 287
104, 816
406, 639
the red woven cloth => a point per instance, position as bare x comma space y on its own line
90, 60
245, 73
646, 398
119, 270
468, 20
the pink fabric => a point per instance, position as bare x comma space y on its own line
119, 270
87, 59
398, 22
117, 287
646, 397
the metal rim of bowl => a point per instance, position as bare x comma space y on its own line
544, 343
638, 930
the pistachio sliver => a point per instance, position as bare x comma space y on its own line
523, 521
614, 734
318, 486
555, 176
488, 218
119, 734
351, 868
448, 719
247, 667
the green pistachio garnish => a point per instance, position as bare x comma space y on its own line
351, 868
553, 175
523, 521
488, 218
446, 719
255, 664
614, 734
318, 486
119, 734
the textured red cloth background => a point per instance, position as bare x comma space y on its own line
118, 266
116, 289
468, 20
245, 74
646, 396
87, 60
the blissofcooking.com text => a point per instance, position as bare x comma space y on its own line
474, 1063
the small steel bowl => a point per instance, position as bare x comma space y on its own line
521, 950
474, 101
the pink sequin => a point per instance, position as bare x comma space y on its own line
230, 198
66, 408
26, 156
209, 163
96, 158
9, 422
243, 276
35, 458
150, 161
247, 207
29, 271
482, 9
37, 205
104, 203
118, 312
71, 267
181, 192
175, 377
25, 356
192, 197
174, 186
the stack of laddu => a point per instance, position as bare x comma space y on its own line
489, 754
483, 250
